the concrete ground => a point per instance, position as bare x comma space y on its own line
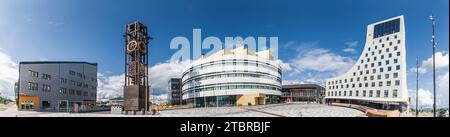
274, 110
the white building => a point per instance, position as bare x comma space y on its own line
378, 79
232, 77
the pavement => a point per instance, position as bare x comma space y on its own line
272, 110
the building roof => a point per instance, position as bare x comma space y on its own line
55, 62
302, 86
243, 51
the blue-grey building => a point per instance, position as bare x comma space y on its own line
56, 85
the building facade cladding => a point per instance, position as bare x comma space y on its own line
232, 75
379, 75
174, 96
52, 85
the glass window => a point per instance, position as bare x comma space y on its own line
378, 93
386, 93
394, 93
395, 75
397, 82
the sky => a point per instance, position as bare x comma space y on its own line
317, 39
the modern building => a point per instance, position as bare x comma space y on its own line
311, 93
232, 77
56, 85
378, 79
118, 101
174, 95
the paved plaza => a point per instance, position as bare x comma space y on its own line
274, 110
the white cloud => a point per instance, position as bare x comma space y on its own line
322, 60
110, 86
159, 75
9, 74
442, 60
351, 50
352, 43
443, 89
425, 98
291, 82
351, 47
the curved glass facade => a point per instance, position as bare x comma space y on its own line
232, 79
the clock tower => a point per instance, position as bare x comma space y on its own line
136, 88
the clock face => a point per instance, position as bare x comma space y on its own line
142, 46
132, 46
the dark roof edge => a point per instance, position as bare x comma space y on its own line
51, 62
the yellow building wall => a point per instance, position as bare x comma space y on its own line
34, 99
253, 99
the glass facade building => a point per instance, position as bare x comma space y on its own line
232, 77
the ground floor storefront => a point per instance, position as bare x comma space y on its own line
35, 103
386, 105
233, 100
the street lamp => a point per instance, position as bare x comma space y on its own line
417, 85
432, 18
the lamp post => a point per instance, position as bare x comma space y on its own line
432, 18
417, 85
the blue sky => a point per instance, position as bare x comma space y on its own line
92, 31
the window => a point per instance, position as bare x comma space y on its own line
366, 84
395, 75
380, 84
387, 49
78, 93
350, 93
386, 76
345, 93
382, 56
46, 88
397, 82
364, 93
33, 73
357, 93
371, 77
373, 84
378, 77
378, 93
32, 86
394, 93
370, 93
395, 48
46, 76
398, 41
63, 90
388, 83
398, 53
379, 63
390, 43
387, 62
389, 68
71, 72
63, 81
360, 84
339, 93
397, 67
71, 91
381, 69
390, 55
386, 93
395, 60
357, 79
